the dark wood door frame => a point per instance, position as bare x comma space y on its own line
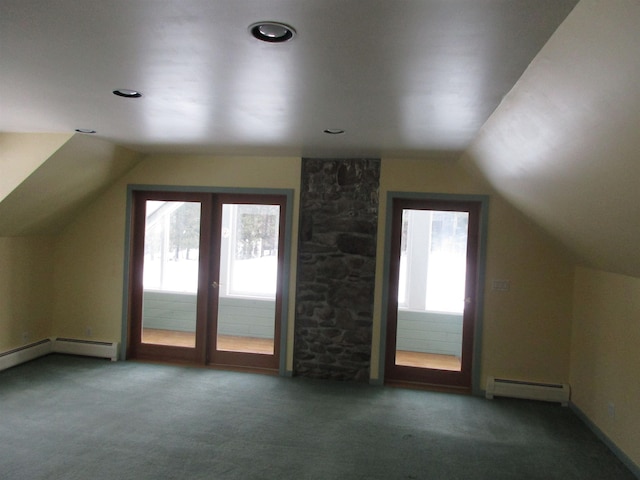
468, 378
204, 352
230, 358
135, 347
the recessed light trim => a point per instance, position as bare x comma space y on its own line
272, 32
85, 130
333, 131
127, 93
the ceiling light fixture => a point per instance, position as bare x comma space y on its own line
85, 130
273, 32
127, 93
334, 131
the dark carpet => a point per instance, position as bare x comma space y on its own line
64, 417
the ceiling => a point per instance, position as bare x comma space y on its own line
401, 78
539, 97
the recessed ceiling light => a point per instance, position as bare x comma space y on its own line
273, 32
85, 130
334, 131
125, 92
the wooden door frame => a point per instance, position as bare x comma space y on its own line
135, 347
214, 356
285, 245
388, 300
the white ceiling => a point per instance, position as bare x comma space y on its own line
400, 77
542, 98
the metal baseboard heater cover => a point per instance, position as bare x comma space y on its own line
86, 347
70, 346
24, 354
548, 392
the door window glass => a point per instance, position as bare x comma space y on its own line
170, 273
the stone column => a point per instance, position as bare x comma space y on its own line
336, 268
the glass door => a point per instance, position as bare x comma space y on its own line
206, 278
169, 258
246, 286
432, 281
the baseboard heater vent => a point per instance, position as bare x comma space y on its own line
23, 354
549, 392
86, 347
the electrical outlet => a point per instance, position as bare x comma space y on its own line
25, 337
611, 410
88, 332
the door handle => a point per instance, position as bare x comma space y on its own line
215, 284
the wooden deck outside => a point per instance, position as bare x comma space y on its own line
265, 346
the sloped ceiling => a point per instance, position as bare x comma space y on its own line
75, 174
400, 77
22, 153
564, 145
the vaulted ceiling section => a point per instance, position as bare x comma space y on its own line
540, 97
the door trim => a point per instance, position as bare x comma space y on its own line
286, 259
483, 200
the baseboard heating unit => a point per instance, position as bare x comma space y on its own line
24, 354
549, 392
86, 347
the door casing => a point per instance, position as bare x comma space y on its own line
285, 251
483, 203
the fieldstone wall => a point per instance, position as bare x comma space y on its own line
336, 268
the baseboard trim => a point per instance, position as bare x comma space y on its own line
25, 353
623, 457
31, 351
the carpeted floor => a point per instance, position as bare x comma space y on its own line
64, 417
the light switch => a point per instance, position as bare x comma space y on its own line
501, 285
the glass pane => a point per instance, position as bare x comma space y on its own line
170, 274
248, 278
431, 289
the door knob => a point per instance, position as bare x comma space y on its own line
215, 284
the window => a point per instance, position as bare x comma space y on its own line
433, 278
249, 250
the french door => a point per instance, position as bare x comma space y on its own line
206, 278
432, 292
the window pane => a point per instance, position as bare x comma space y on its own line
431, 289
170, 274
447, 262
248, 278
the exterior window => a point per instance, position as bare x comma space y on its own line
249, 250
171, 252
433, 278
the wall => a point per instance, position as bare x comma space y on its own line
605, 355
25, 290
429, 332
22, 153
526, 331
89, 254
336, 266
244, 317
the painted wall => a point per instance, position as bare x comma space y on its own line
89, 254
605, 355
25, 290
526, 332
239, 316
22, 153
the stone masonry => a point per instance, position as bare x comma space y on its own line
336, 268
